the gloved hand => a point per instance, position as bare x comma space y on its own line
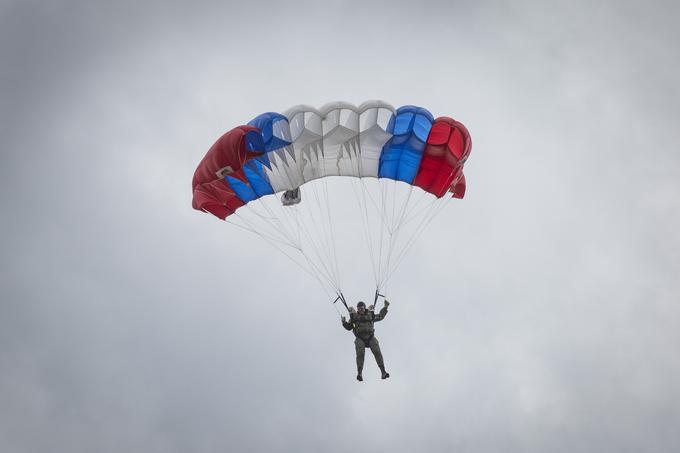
343, 319
371, 308
387, 304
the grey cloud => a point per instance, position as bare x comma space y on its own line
546, 320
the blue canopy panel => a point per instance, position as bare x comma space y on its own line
401, 155
257, 178
274, 128
242, 190
254, 143
258, 184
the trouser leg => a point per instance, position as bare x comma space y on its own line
360, 348
375, 349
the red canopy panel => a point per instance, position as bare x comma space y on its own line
228, 154
458, 187
216, 197
211, 191
448, 145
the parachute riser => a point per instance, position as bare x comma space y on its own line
341, 298
375, 299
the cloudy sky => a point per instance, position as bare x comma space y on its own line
540, 313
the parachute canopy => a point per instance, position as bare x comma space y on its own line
281, 152
399, 163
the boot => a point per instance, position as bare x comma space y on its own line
385, 374
359, 377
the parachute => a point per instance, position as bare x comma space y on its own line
271, 177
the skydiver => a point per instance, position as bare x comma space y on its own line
361, 323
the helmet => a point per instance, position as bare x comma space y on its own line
361, 304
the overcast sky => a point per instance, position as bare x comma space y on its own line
540, 313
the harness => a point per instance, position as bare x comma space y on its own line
365, 341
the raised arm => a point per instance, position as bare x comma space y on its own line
346, 324
382, 314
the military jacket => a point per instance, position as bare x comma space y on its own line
362, 325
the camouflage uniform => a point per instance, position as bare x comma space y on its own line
362, 326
